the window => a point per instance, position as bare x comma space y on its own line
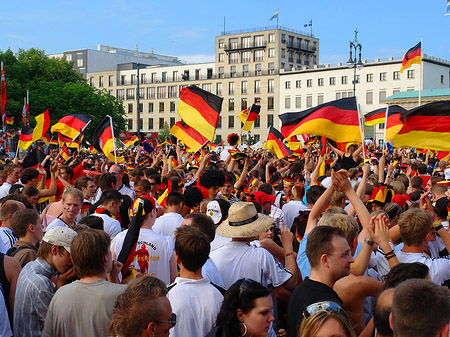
257, 86
172, 121
221, 57
175, 76
150, 123
219, 122
243, 87
207, 87
410, 74
243, 104
338, 95
133, 79
332, 80
164, 76
231, 122
395, 91
221, 72
79, 61
221, 43
161, 123
369, 97
130, 93
150, 93
245, 42
245, 70
271, 52
309, 83
270, 86
142, 78
271, 38
271, 68
172, 91
258, 69
257, 123
141, 107
172, 106
120, 94
233, 71
382, 96
68, 57
130, 108
231, 88
298, 58
396, 75
344, 80
290, 56
130, 124
91, 81
153, 77
161, 92
383, 76
320, 82
122, 79
150, 107
259, 55
110, 80
298, 83
231, 104
219, 89
381, 126
287, 84
299, 43
319, 99
256, 137
185, 76
287, 102
269, 120
234, 43
344, 94
161, 106
283, 38
283, 53
259, 40
308, 101
141, 123
246, 56
369, 78
100, 81
110, 92
357, 78
234, 57
298, 102
270, 103
442, 79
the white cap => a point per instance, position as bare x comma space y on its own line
60, 236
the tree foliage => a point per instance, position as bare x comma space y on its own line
53, 84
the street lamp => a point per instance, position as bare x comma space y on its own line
352, 63
138, 110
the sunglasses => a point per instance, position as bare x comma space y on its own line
172, 320
321, 306
245, 285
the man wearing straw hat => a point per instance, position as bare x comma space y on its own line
238, 259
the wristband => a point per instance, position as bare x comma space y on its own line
289, 254
438, 227
370, 243
245, 168
390, 256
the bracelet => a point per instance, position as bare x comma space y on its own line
385, 254
245, 168
370, 243
289, 254
390, 256
438, 227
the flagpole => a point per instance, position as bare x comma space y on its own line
421, 71
114, 141
361, 129
27, 105
311, 27
385, 126
278, 14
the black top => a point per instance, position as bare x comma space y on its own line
306, 293
348, 162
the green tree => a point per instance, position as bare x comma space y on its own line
53, 84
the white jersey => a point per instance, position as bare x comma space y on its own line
291, 210
167, 224
210, 271
110, 225
237, 259
152, 257
195, 316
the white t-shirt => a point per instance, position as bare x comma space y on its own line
127, 191
439, 267
291, 210
237, 259
110, 225
167, 224
56, 223
218, 242
4, 189
210, 271
153, 254
8, 237
195, 315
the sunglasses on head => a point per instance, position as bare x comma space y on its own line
321, 306
172, 320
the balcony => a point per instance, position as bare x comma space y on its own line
310, 50
235, 46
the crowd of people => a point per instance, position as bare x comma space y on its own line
227, 242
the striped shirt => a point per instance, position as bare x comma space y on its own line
8, 237
34, 292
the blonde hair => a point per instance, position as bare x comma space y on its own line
344, 222
311, 325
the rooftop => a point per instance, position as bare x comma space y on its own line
260, 29
425, 93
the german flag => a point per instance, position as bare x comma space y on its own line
65, 153
412, 56
63, 140
188, 135
26, 138
42, 125
294, 144
374, 117
252, 115
337, 120
9, 119
275, 144
130, 141
103, 140
163, 197
46, 138
71, 125
9, 133
426, 127
200, 110
393, 123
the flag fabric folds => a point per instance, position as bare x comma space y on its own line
71, 125
248, 116
274, 16
29, 135
130, 141
75, 144
200, 110
188, 135
275, 144
448, 8
374, 117
25, 138
393, 123
337, 120
308, 24
412, 56
426, 127
9, 119
103, 140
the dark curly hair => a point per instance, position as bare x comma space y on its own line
212, 178
192, 196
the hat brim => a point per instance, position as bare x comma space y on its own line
252, 229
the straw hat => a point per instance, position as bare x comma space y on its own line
244, 222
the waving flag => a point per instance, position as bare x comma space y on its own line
71, 125
188, 135
130, 141
3, 99
275, 16
9, 119
275, 144
249, 115
412, 56
103, 140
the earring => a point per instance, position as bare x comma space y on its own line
245, 329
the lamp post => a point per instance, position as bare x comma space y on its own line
352, 63
138, 110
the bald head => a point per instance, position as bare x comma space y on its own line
8, 209
381, 312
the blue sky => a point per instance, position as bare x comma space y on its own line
187, 28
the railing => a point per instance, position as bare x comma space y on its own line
259, 29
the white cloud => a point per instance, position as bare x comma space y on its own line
199, 58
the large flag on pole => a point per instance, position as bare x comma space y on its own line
275, 144
25, 138
3, 99
412, 56
71, 125
393, 122
337, 120
448, 8
29, 135
200, 109
426, 127
248, 117
274, 16
374, 117
103, 139
188, 135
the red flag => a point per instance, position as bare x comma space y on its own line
3, 99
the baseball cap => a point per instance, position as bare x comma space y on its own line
262, 197
60, 236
